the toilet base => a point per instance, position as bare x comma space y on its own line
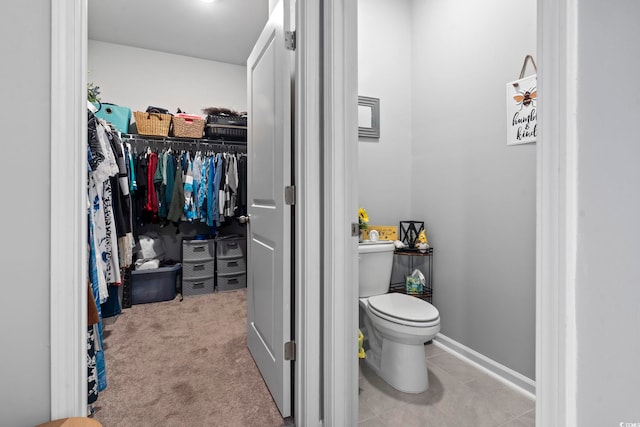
402, 366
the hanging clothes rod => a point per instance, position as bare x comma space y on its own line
182, 142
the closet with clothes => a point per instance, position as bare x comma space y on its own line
148, 198
187, 191
176, 353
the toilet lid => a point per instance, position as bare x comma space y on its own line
403, 307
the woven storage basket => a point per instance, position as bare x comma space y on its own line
152, 123
186, 127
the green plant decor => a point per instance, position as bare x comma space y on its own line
93, 92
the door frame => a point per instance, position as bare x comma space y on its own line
555, 194
307, 283
556, 219
68, 239
339, 210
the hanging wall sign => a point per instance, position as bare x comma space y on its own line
522, 108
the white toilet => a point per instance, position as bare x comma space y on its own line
396, 325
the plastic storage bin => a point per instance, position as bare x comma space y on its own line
200, 286
154, 285
231, 265
198, 263
232, 281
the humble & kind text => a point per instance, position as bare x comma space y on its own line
527, 126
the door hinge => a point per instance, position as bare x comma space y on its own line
290, 350
290, 40
290, 195
355, 229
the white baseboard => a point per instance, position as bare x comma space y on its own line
508, 376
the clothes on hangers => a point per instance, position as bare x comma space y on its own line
103, 168
206, 185
110, 242
242, 186
189, 207
152, 197
177, 199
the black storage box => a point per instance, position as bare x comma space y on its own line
221, 119
228, 128
158, 284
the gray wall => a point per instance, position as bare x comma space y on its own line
137, 78
608, 278
24, 176
384, 72
476, 195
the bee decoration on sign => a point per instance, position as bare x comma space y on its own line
526, 98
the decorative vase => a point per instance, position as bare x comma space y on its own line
363, 235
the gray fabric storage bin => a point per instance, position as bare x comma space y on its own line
154, 285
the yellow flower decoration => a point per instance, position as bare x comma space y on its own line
363, 218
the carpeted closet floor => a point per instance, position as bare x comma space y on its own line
183, 363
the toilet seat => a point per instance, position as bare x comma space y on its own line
404, 309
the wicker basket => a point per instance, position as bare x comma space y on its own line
152, 123
187, 127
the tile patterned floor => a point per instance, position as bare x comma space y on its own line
459, 395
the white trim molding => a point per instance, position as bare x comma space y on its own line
507, 376
307, 379
340, 267
557, 150
68, 263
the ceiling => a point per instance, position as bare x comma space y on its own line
224, 30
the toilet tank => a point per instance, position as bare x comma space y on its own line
375, 264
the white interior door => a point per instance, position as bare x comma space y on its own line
269, 243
